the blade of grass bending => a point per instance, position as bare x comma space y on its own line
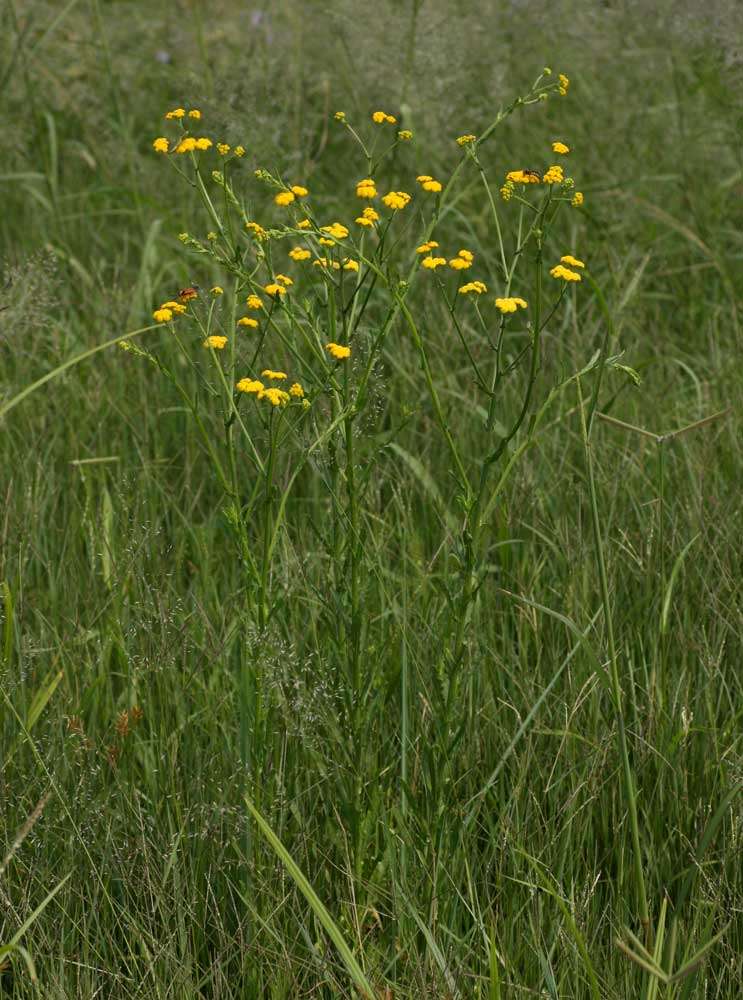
355, 971
583, 642
15, 400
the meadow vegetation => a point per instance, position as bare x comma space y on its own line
371, 637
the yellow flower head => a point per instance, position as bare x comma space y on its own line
523, 177
216, 342
433, 262
284, 198
299, 253
276, 397
380, 117
325, 242
239, 150
203, 143
466, 255
350, 264
368, 217
162, 315
175, 307
284, 280
275, 376
339, 351
247, 321
554, 175
176, 113
304, 224
160, 145
573, 261
254, 301
257, 230
340, 116
560, 147
564, 84
478, 287
249, 385
577, 199
460, 263
223, 148
405, 135
558, 271
431, 185
195, 113
296, 390
187, 145
299, 191
217, 290
426, 247
366, 188
324, 262
396, 199
510, 305
465, 140
506, 191
336, 229
274, 290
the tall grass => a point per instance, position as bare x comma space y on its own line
428, 724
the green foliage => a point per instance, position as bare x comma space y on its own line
476, 845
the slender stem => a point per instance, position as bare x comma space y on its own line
616, 690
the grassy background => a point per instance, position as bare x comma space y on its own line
121, 570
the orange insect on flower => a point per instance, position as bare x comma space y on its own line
186, 294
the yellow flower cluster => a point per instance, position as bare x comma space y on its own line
428, 183
338, 351
257, 230
577, 199
254, 301
465, 140
249, 385
523, 177
304, 224
560, 147
473, 286
160, 145
564, 84
274, 395
223, 148
248, 321
380, 117
554, 175
167, 310
560, 271
368, 217
277, 288
405, 134
340, 116
507, 190
284, 198
336, 230
572, 261
432, 262
216, 342
350, 264
426, 247
510, 304
189, 144
217, 290
462, 261
396, 199
366, 188
299, 253
324, 262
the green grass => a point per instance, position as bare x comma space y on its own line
432, 839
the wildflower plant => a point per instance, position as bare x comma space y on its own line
325, 299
